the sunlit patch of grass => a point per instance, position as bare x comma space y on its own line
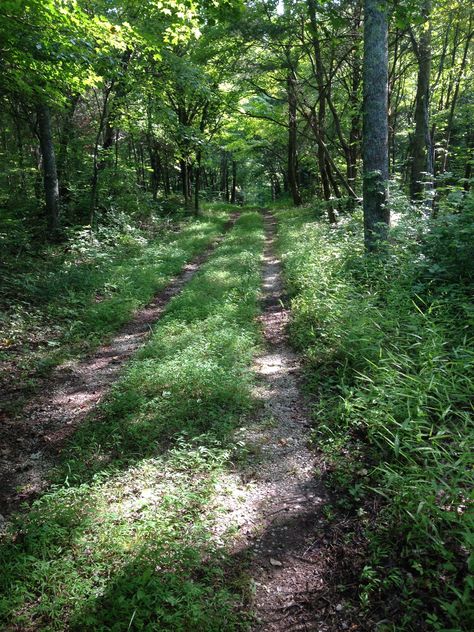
124, 538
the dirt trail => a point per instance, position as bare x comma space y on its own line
293, 496
30, 442
278, 502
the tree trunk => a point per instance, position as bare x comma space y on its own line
292, 140
97, 164
277, 186
166, 183
50, 174
119, 87
197, 183
320, 119
452, 108
233, 194
224, 177
184, 180
354, 134
421, 183
469, 162
375, 123
66, 134
155, 164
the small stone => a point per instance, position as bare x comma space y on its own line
275, 562
339, 607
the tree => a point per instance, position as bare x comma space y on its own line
292, 134
50, 172
47, 51
421, 182
375, 123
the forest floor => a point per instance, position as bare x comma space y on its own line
186, 497
30, 441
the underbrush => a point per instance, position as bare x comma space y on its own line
389, 365
65, 300
124, 538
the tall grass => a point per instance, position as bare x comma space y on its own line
389, 358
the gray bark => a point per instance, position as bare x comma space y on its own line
452, 108
233, 195
323, 165
224, 176
197, 182
292, 139
375, 123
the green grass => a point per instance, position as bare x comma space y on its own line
123, 540
389, 363
64, 304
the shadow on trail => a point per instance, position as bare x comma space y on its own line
30, 440
190, 378
166, 588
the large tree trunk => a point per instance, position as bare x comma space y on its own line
375, 123
421, 182
50, 173
292, 140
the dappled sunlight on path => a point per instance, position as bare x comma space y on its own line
275, 502
30, 442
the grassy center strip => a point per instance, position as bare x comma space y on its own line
124, 539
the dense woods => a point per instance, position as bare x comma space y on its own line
129, 130
131, 107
